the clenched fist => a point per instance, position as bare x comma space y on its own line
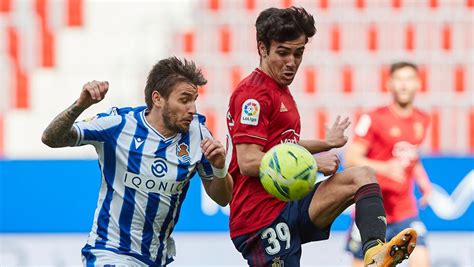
328, 163
92, 93
214, 151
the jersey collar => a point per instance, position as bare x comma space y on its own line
148, 125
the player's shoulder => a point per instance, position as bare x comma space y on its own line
121, 111
421, 116
419, 113
382, 110
378, 112
253, 84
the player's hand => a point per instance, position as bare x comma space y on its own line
214, 151
92, 93
328, 163
394, 170
335, 135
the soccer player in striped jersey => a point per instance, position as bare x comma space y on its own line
147, 156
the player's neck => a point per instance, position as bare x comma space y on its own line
264, 68
402, 110
155, 120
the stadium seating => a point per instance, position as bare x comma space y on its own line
48, 49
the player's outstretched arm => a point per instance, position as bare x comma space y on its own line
219, 188
423, 181
59, 132
335, 137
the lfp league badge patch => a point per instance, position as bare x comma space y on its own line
250, 112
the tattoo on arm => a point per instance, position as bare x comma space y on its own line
60, 132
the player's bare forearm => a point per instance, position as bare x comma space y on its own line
356, 155
249, 157
421, 177
354, 159
315, 146
219, 189
59, 132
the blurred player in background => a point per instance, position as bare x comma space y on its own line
262, 113
147, 156
387, 139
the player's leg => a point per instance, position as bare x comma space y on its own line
358, 185
277, 244
354, 246
402, 236
354, 185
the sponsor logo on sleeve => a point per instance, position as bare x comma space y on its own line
250, 112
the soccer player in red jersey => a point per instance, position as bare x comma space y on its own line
262, 113
387, 140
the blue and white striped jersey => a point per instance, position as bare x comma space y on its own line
145, 178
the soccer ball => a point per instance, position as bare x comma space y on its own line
288, 171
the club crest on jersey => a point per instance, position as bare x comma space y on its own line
250, 112
182, 151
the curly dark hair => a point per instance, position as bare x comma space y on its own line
281, 25
167, 73
402, 64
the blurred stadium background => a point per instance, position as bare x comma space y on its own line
50, 48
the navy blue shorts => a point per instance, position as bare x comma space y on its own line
354, 244
279, 243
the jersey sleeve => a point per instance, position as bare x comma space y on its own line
364, 129
252, 113
204, 167
100, 128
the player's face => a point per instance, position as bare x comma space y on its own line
403, 84
179, 108
283, 59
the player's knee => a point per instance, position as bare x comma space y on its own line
364, 175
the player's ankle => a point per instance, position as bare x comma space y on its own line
370, 244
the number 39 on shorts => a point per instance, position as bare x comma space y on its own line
277, 236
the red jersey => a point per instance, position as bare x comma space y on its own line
387, 136
264, 113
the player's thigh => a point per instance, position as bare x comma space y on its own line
336, 193
274, 245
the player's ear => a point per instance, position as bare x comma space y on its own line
157, 99
262, 49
